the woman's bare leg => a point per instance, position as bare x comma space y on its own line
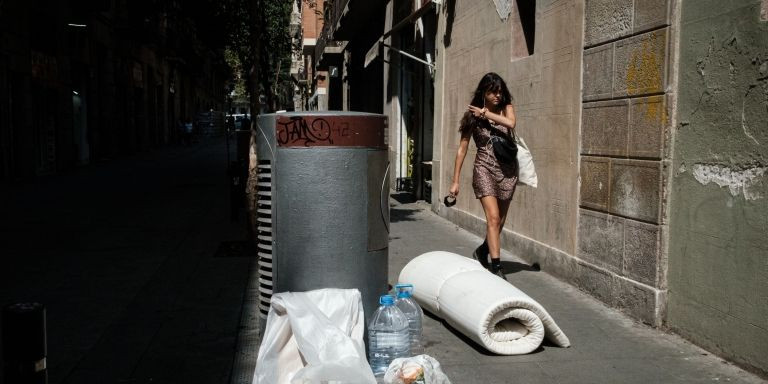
493, 224
503, 210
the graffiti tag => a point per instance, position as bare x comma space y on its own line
318, 131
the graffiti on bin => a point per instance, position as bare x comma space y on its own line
338, 131
297, 130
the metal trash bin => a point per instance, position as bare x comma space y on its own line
323, 204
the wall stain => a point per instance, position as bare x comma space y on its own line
644, 74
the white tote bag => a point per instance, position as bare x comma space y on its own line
526, 173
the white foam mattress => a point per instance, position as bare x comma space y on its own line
479, 304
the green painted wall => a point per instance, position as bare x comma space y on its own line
718, 254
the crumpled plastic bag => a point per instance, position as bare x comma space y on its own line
314, 337
421, 369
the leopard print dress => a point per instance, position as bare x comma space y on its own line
489, 176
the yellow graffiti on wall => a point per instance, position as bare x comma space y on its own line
644, 74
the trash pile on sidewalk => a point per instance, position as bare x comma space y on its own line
317, 336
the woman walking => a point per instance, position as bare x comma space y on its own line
489, 114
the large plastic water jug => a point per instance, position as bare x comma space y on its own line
413, 313
388, 335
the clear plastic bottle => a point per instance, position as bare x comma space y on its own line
413, 313
388, 336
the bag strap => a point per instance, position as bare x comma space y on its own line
501, 133
510, 134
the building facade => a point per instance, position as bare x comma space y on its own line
311, 79
82, 82
378, 57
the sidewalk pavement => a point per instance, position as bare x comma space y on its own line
607, 347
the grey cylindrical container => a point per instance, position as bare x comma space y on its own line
323, 205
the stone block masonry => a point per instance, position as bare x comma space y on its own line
608, 20
624, 122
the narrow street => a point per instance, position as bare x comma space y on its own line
126, 257
145, 280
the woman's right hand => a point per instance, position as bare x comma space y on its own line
454, 190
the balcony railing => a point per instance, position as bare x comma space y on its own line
331, 15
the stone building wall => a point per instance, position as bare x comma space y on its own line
544, 77
628, 86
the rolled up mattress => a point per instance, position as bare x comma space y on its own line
479, 304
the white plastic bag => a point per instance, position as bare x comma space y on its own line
421, 369
314, 337
526, 173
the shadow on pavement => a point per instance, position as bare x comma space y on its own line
514, 266
403, 197
397, 214
477, 347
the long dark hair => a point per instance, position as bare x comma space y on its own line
489, 82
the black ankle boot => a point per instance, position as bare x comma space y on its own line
481, 254
497, 269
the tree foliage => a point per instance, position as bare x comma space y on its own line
238, 88
228, 25
255, 36
274, 51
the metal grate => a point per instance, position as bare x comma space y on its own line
264, 234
